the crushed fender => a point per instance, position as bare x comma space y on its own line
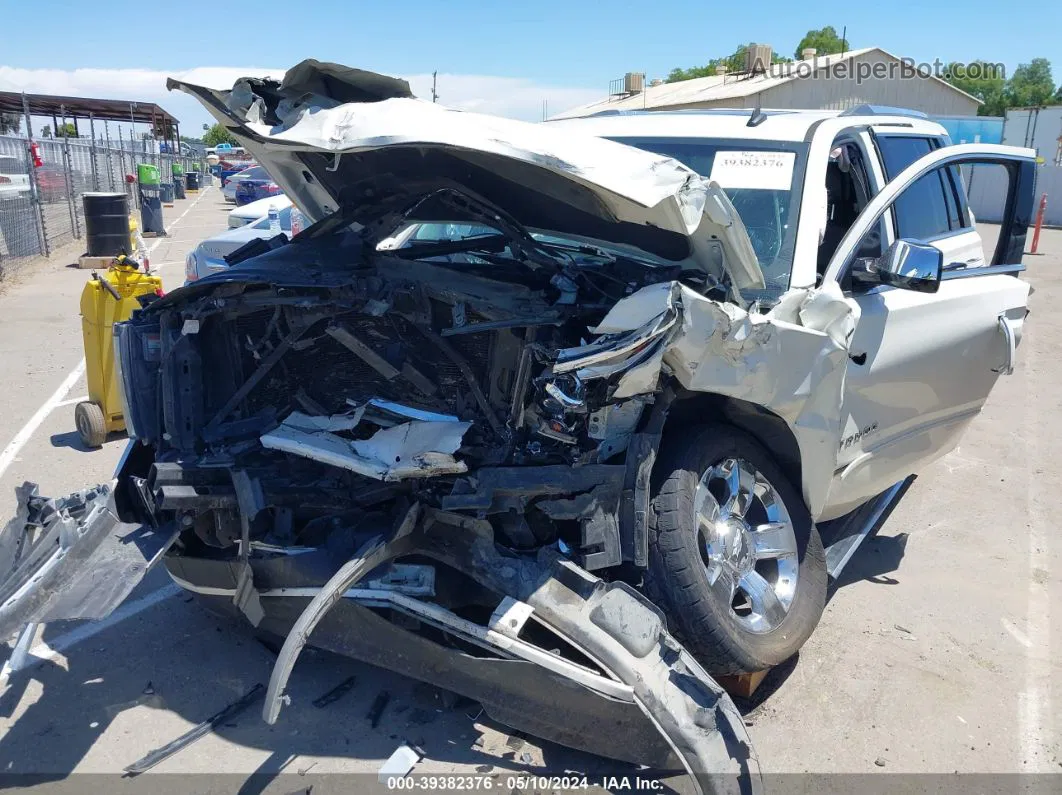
791, 359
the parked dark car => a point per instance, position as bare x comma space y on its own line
254, 188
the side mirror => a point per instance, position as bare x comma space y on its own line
907, 265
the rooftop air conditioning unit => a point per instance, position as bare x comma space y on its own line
634, 82
758, 58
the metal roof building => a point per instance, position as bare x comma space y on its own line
833, 82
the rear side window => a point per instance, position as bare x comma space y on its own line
932, 206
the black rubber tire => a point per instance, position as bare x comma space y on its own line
677, 579
91, 424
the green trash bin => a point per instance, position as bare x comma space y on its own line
148, 184
147, 175
178, 181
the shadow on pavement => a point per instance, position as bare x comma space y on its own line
878, 557
180, 660
71, 439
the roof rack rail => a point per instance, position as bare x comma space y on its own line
883, 110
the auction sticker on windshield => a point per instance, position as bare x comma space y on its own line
757, 170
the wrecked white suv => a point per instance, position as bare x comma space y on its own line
557, 422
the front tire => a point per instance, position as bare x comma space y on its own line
734, 558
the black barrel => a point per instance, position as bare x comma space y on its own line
192, 180
106, 223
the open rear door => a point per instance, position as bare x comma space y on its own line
925, 356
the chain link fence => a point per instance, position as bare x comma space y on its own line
41, 207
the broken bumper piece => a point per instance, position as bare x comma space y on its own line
624, 688
70, 557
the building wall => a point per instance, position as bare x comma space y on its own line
1038, 128
838, 93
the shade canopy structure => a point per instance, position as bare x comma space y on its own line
163, 124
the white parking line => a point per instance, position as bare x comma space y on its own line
15, 445
9, 453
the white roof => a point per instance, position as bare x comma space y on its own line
724, 123
717, 88
780, 125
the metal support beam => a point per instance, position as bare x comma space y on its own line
42, 231
92, 151
68, 177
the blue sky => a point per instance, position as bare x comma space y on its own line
499, 57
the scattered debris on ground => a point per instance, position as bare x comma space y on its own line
336, 692
377, 709
398, 765
165, 752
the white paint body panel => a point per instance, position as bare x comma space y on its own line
251, 212
928, 372
931, 358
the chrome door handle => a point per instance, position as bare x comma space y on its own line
1007, 330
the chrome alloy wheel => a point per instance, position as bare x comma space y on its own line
748, 544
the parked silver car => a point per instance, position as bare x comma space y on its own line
209, 255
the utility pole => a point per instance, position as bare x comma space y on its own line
434, 94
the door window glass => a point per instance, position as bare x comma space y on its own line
922, 212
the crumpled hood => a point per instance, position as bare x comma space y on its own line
333, 136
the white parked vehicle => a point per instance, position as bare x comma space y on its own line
14, 180
209, 255
549, 392
242, 216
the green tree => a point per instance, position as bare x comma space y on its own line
982, 80
733, 63
67, 130
10, 123
218, 135
824, 40
1031, 84
46, 131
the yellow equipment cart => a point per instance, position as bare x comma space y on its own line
107, 299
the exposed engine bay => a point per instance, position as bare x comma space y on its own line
413, 381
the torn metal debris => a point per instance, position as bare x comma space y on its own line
398, 764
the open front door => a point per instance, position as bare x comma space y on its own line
927, 350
